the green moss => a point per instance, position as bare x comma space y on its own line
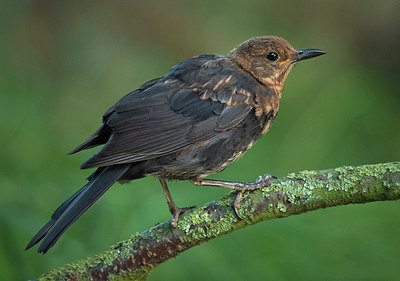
120, 251
296, 193
201, 223
281, 207
330, 185
393, 167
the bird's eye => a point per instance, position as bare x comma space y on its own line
272, 56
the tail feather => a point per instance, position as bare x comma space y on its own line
57, 213
76, 205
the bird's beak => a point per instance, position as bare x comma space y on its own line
304, 54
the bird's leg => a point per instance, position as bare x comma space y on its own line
240, 187
175, 210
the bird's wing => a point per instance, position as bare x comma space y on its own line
200, 98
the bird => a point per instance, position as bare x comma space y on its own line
204, 114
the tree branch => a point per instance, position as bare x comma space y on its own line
296, 193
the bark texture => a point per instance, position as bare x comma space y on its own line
135, 258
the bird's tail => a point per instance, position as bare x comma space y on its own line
76, 205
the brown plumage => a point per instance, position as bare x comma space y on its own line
194, 121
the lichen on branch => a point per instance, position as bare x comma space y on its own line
134, 258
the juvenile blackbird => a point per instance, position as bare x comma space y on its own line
194, 121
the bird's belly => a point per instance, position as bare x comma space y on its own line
208, 157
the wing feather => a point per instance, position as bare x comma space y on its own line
199, 99
232, 115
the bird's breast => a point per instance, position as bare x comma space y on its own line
267, 106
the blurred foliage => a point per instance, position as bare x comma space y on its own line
63, 63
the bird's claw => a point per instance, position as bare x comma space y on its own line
264, 180
260, 182
236, 203
176, 212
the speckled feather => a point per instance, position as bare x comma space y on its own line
164, 117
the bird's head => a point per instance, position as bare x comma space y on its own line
270, 58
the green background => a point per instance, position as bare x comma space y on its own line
63, 63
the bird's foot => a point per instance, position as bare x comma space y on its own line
240, 187
176, 212
249, 186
